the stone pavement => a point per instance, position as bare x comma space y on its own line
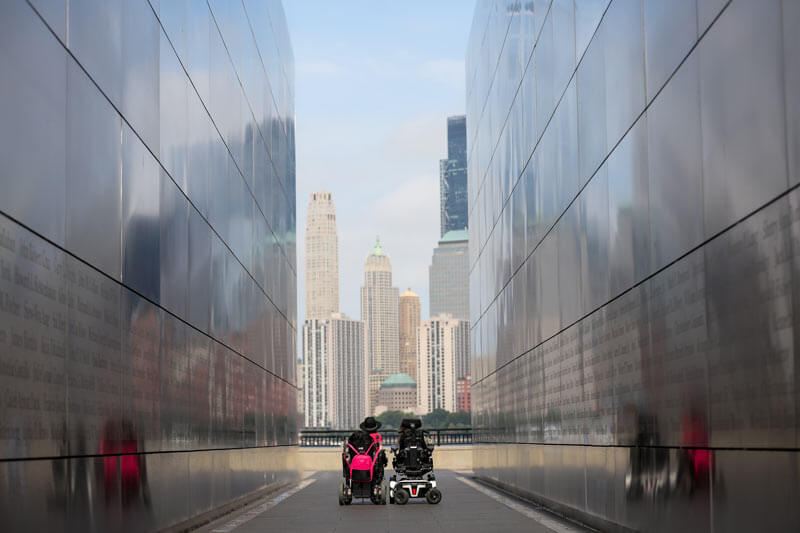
467, 506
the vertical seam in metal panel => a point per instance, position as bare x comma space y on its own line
121, 205
785, 99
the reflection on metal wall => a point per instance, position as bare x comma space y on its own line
147, 260
634, 242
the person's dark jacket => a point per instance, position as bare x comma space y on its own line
360, 440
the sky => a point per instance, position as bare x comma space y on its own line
374, 84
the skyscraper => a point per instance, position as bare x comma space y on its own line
346, 349
317, 378
322, 257
449, 276
333, 372
442, 341
379, 308
453, 177
409, 311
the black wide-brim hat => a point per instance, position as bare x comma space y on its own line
370, 424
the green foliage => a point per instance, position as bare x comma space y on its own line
441, 419
392, 419
460, 419
436, 419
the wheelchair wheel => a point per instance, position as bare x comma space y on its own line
384, 493
401, 496
433, 496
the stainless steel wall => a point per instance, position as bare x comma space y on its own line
147, 260
634, 241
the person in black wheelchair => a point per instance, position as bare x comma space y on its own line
413, 458
363, 463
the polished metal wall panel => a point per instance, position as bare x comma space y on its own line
623, 49
595, 249
147, 321
751, 340
570, 259
564, 127
707, 11
737, 506
741, 60
629, 210
93, 174
141, 234
592, 112
675, 166
173, 98
670, 30
587, 17
95, 39
199, 271
675, 375
33, 341
33, 107
647, 378
140, 71
95, 363
54, 12
174, 250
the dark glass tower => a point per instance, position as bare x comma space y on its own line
453, 177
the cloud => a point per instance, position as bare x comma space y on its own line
445, 71
322, 68
422, 138
382, 68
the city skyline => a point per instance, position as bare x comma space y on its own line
381, 162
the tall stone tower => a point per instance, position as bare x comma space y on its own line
322, 257
409, 311
379, 306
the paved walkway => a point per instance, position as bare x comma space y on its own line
467, 506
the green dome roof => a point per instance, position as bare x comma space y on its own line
399, 380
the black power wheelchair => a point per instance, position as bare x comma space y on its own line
413, 458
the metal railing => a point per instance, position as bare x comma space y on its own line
334, 438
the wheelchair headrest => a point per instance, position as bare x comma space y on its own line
411, 423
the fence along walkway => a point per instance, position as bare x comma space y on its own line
332, 438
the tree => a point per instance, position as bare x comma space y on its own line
392, 419
461, 419
436, 419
